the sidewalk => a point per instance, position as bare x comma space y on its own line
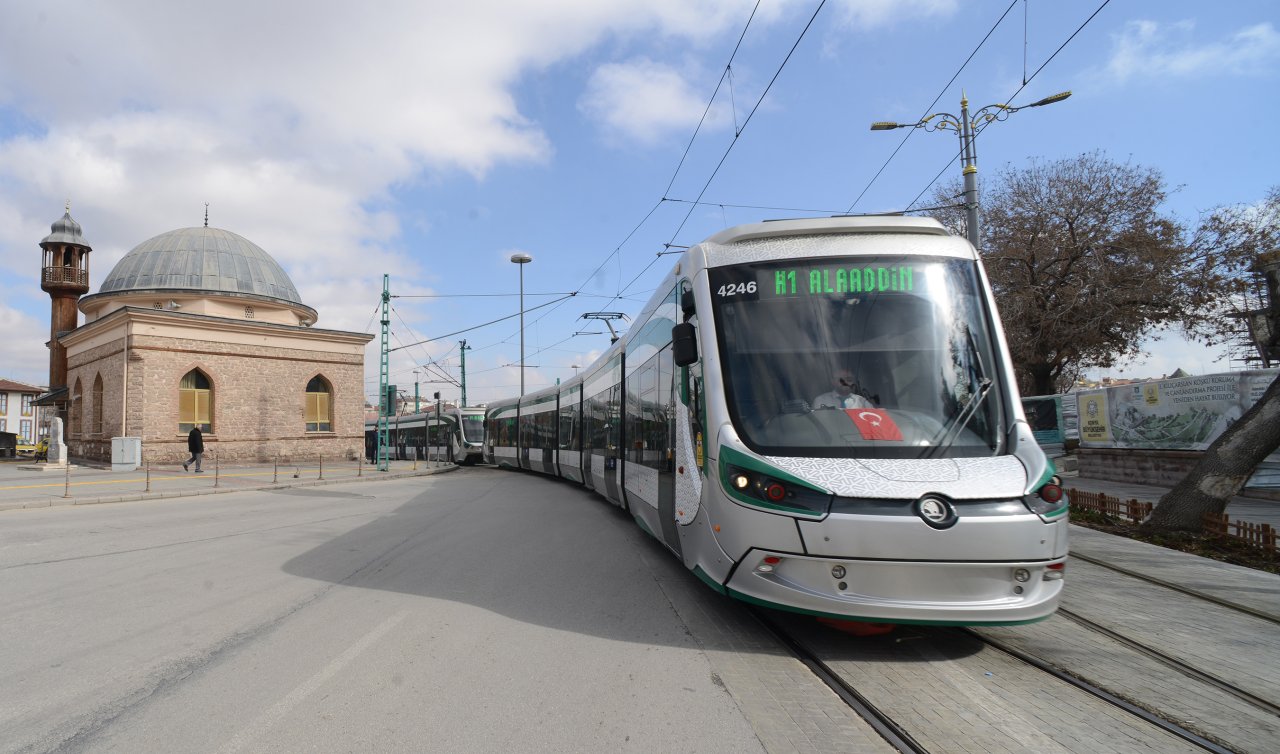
92, 484
1251, 509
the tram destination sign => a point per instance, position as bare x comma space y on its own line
819, 278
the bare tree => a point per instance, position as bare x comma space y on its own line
1236, 255
1227, 464
1236, 251
1085, 266
1083, 263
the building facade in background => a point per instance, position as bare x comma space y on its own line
199, 327
18, 412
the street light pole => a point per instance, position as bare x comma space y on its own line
970, 172
521, 259
964, 127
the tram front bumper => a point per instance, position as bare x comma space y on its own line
942, 593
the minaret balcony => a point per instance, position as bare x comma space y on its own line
65, 278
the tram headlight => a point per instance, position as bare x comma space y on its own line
750, 486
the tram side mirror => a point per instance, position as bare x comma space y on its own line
686, 303
684, 344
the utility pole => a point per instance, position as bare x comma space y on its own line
464, 350
384, 361
965, 126
416, 408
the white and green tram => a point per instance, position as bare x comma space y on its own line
818, 416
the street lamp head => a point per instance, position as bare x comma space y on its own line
885, 125
521, 258
1052, 98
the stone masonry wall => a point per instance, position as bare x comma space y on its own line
1163, 468
259, 395
106, 361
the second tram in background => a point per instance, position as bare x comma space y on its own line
819, 416
455, 434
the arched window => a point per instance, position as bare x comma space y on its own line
95, 422
75, 420
195, 402
319, 411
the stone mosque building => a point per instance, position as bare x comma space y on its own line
197, 327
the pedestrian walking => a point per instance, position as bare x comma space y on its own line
195, 444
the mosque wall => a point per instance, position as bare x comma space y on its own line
259, 394
105, 360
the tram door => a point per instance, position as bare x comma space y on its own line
665, 399
613, 447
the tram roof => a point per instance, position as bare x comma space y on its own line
828, 225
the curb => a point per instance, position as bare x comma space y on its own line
58, 501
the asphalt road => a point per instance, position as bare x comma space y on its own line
472, 611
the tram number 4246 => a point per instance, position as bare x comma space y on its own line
736, 289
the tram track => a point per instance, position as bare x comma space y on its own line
1174, 663
898, 735
1152, 718
878, 719
1261, 614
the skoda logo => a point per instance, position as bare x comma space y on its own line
936, 512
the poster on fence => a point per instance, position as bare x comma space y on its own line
1187, 413
1093, 419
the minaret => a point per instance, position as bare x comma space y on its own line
65, 276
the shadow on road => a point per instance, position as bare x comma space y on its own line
544, 552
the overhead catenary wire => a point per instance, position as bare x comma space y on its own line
737, 134
1018, 91
677, 248
617, 250
945, 87
750, 115
483, 295
486, 324
727, 68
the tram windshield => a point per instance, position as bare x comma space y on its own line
473, 427
876, 357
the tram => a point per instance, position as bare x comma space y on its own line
818, 416
455, 434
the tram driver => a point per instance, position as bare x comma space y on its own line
845, 393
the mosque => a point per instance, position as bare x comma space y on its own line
196, 327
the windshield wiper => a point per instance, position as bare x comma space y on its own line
969, 411
977, 368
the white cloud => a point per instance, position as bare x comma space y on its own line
1148, 49
1164, 354
294, 120
862, 15
646, 101
23, 356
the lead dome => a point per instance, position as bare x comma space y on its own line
201, 259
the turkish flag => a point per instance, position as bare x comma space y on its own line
874, 424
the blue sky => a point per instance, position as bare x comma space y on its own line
431, 140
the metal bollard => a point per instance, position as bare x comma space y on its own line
321, 475
148, 489
360, 467
275, 471
216, 464
66, 489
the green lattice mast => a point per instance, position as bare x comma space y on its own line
384, 360
464, 350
